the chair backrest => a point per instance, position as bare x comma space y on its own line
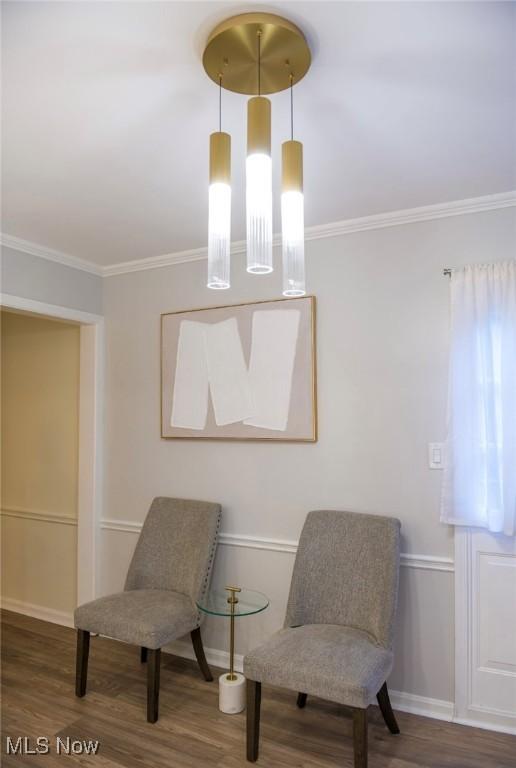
176, 547
346, 572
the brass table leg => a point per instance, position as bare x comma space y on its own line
232, 600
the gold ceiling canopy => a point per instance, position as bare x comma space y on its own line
231, 54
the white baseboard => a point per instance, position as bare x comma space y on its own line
214, 656
404, 702
401, 701
64, 618
473, 722
422, 705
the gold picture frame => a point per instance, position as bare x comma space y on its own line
305, 356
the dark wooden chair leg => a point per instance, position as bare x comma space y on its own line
254, 697
143, 655
385, 707
81, 663
195, 634
360, 737
301, 700
153, 668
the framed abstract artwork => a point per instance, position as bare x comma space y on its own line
240, 372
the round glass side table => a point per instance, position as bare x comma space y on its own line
233, 602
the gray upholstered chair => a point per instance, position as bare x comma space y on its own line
169, 571
337, 638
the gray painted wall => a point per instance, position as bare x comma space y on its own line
382, 345
32, 277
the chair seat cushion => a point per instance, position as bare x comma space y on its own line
146, 617
337, 663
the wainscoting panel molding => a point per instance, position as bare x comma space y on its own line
423, 562
485, 626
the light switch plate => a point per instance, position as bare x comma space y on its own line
435, 455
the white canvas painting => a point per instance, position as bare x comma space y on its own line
227, 373
210, 360
240, 372
273, 348
190, 402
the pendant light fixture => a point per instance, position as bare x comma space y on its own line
257, 54
292, 211
258, 173
219, 206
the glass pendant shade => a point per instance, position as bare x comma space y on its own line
292, 219
259, 186
219, 216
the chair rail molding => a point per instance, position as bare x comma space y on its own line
408, 560
39, 515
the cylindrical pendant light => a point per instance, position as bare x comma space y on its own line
257, 54
259, 182
292, 214
219, 215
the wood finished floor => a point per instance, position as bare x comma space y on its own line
38, 700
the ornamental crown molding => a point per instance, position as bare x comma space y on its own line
317, 232
34, 249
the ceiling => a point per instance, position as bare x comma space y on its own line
107, 112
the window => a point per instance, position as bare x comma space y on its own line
479, 482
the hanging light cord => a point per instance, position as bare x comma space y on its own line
220, 103
292, 106
259, 62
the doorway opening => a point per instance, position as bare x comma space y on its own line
51, 457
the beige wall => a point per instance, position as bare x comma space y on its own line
40, 391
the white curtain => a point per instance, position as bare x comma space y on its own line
479, 482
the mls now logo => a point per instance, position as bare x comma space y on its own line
67, 746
